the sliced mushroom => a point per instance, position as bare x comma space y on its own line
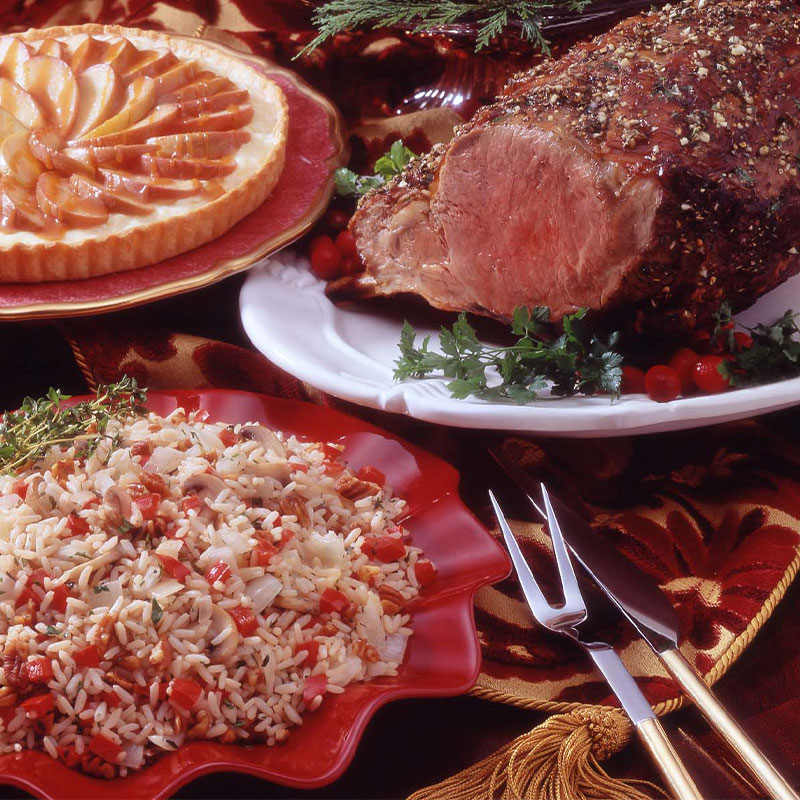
34, 499
265, 437
279, 470
118, 503
207, 488
222, 621
95, 563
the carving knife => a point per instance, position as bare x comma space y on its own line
640, 599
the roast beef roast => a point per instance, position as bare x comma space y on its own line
651, 171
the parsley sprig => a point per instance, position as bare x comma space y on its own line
773, 355
350, 184
575, 362
41, 423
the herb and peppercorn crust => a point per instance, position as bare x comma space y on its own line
651, 171
123, 147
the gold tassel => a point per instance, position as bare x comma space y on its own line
558, 760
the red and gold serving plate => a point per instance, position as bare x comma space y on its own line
316, 147
443, 656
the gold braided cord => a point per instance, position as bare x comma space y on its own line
80, 359
558, 760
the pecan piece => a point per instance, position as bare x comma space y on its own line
294, 506
15, 673
354, 488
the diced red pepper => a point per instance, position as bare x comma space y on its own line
60, 596
333, 468
371, 474
185, 693
171, 532
112, 699
91, 502
264, 552
69, 755
245, 619
26, 596
424, 571
228, 437
296, 466
218, 572
20, 488
148, 505
39, 670
331, 601
331, 452
37, 577
144, 691
38, 706
384, 548
178, 570
315, 686
191, 503
7, 713
105, 748
87, 657
77, 526
312, 652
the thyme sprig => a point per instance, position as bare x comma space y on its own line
575, 362
41, 423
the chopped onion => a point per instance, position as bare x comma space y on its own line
347, 671
163, 460
216, 553
328, 548
262, 591
134, 755
394, 648
169, 547
103, 481
105, 594
373, 626
166, 588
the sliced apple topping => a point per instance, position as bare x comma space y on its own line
205, 85
233, 117
9, 124
51, 82
176, 76
13, 54
140, 96
54, 48
163, 119
88, 52
214, 102
18, 208
100, 95
57, 200
17, 161
121, 55
46, 147
150, 187
213, 144
119, 201
198, 168
15, 100
150, 64
114, 155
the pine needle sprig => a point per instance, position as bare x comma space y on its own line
575, 362
41, 423
491, 17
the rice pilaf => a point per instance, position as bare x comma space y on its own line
192, 580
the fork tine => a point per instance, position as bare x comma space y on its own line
533, 594
573, 599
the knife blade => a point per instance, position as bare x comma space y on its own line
642, 602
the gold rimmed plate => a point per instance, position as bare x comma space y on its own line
316, 146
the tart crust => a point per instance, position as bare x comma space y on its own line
149, 242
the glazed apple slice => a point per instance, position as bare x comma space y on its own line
187, 167
15, 100
233, 117
101, 93
46, 147
54, 48
140, 96
176, 76
121, 55
149, 187
13, 54
54, 87
120, 201
57, 200
18, 209
117, 156
88, 52
17, 161
205, 85
214, 102
9, 124
150, 64
208, 144
162, 119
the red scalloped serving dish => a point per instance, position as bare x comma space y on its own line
443, 656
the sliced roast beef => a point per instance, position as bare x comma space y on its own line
651, 171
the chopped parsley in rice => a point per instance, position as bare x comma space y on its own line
192, 580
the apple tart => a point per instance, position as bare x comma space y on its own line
121, 148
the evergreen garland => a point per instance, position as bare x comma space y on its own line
491, 17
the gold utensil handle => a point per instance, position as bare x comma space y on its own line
722, 722
679, 783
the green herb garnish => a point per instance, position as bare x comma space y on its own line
51, 630
101, 588
28, 433
575, 362
228, 704
157, 612
265, 661
349, 184
125, 526
239, 723
81, 554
